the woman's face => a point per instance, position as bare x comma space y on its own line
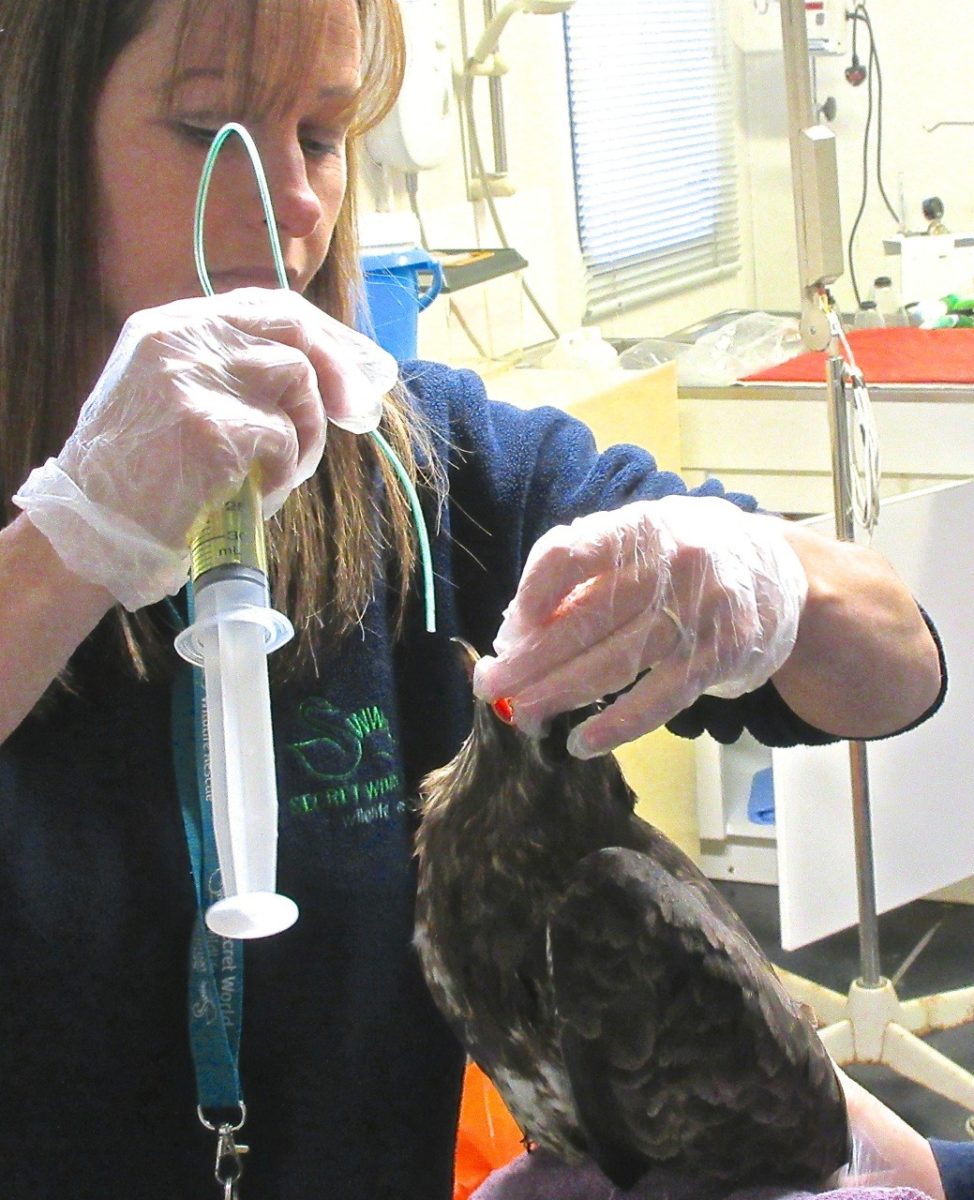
149, 153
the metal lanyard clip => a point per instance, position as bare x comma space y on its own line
229, 1166
229, 1153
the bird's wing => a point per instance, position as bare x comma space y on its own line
681, 1045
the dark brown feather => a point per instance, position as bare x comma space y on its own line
617, 1001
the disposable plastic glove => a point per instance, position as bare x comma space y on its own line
666, 598
193, 393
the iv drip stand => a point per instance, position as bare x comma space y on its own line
870, 1025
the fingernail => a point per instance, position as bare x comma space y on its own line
577, 746
480, 687
529, 725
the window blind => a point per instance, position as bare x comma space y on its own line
651, 96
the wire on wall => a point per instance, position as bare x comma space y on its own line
480, 170
874, 71
412, 191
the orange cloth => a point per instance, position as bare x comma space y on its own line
487, 1138
899, 355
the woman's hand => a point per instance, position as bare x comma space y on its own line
886, 1152
666, 598
193, 394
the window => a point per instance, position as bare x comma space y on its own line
651, 95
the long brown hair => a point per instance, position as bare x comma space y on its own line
54, 56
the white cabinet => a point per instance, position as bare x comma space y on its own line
772, 440
920, 782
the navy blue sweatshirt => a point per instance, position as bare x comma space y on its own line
350, 1077
955, 1161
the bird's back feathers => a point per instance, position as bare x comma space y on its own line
681, 1046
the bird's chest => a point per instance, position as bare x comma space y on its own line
482, 916
505, 1017
481, 932
490, 877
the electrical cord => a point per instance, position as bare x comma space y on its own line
862, 200
865, 160
480, 170
875, 64
860, 13
412, 191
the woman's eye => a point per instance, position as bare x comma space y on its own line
202, 135
201, 132
322, 147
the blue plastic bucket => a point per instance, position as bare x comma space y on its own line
395, 298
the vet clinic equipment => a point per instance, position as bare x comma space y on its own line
870, 1024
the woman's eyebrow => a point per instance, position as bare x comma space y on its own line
343, 93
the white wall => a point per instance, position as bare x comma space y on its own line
923, 61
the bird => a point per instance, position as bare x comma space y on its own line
619, 1004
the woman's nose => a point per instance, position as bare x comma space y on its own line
297, 206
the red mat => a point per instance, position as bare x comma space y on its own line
891, 356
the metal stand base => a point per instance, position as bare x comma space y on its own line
871, 1025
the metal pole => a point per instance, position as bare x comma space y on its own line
840, 429
495, 84
819, 263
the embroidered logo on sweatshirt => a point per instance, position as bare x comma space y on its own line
349, 760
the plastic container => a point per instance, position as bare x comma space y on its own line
868, 316
581, 348
955, 321
401, 280
949, 312
888, 302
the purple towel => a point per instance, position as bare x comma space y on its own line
541, 1176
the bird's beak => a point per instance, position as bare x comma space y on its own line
466, 655
501, 707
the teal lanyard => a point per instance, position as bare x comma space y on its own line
215, 999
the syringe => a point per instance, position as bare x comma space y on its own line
234, 630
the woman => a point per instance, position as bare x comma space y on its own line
130, 402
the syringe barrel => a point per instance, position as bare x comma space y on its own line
231, 535
240, 741
233, 631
